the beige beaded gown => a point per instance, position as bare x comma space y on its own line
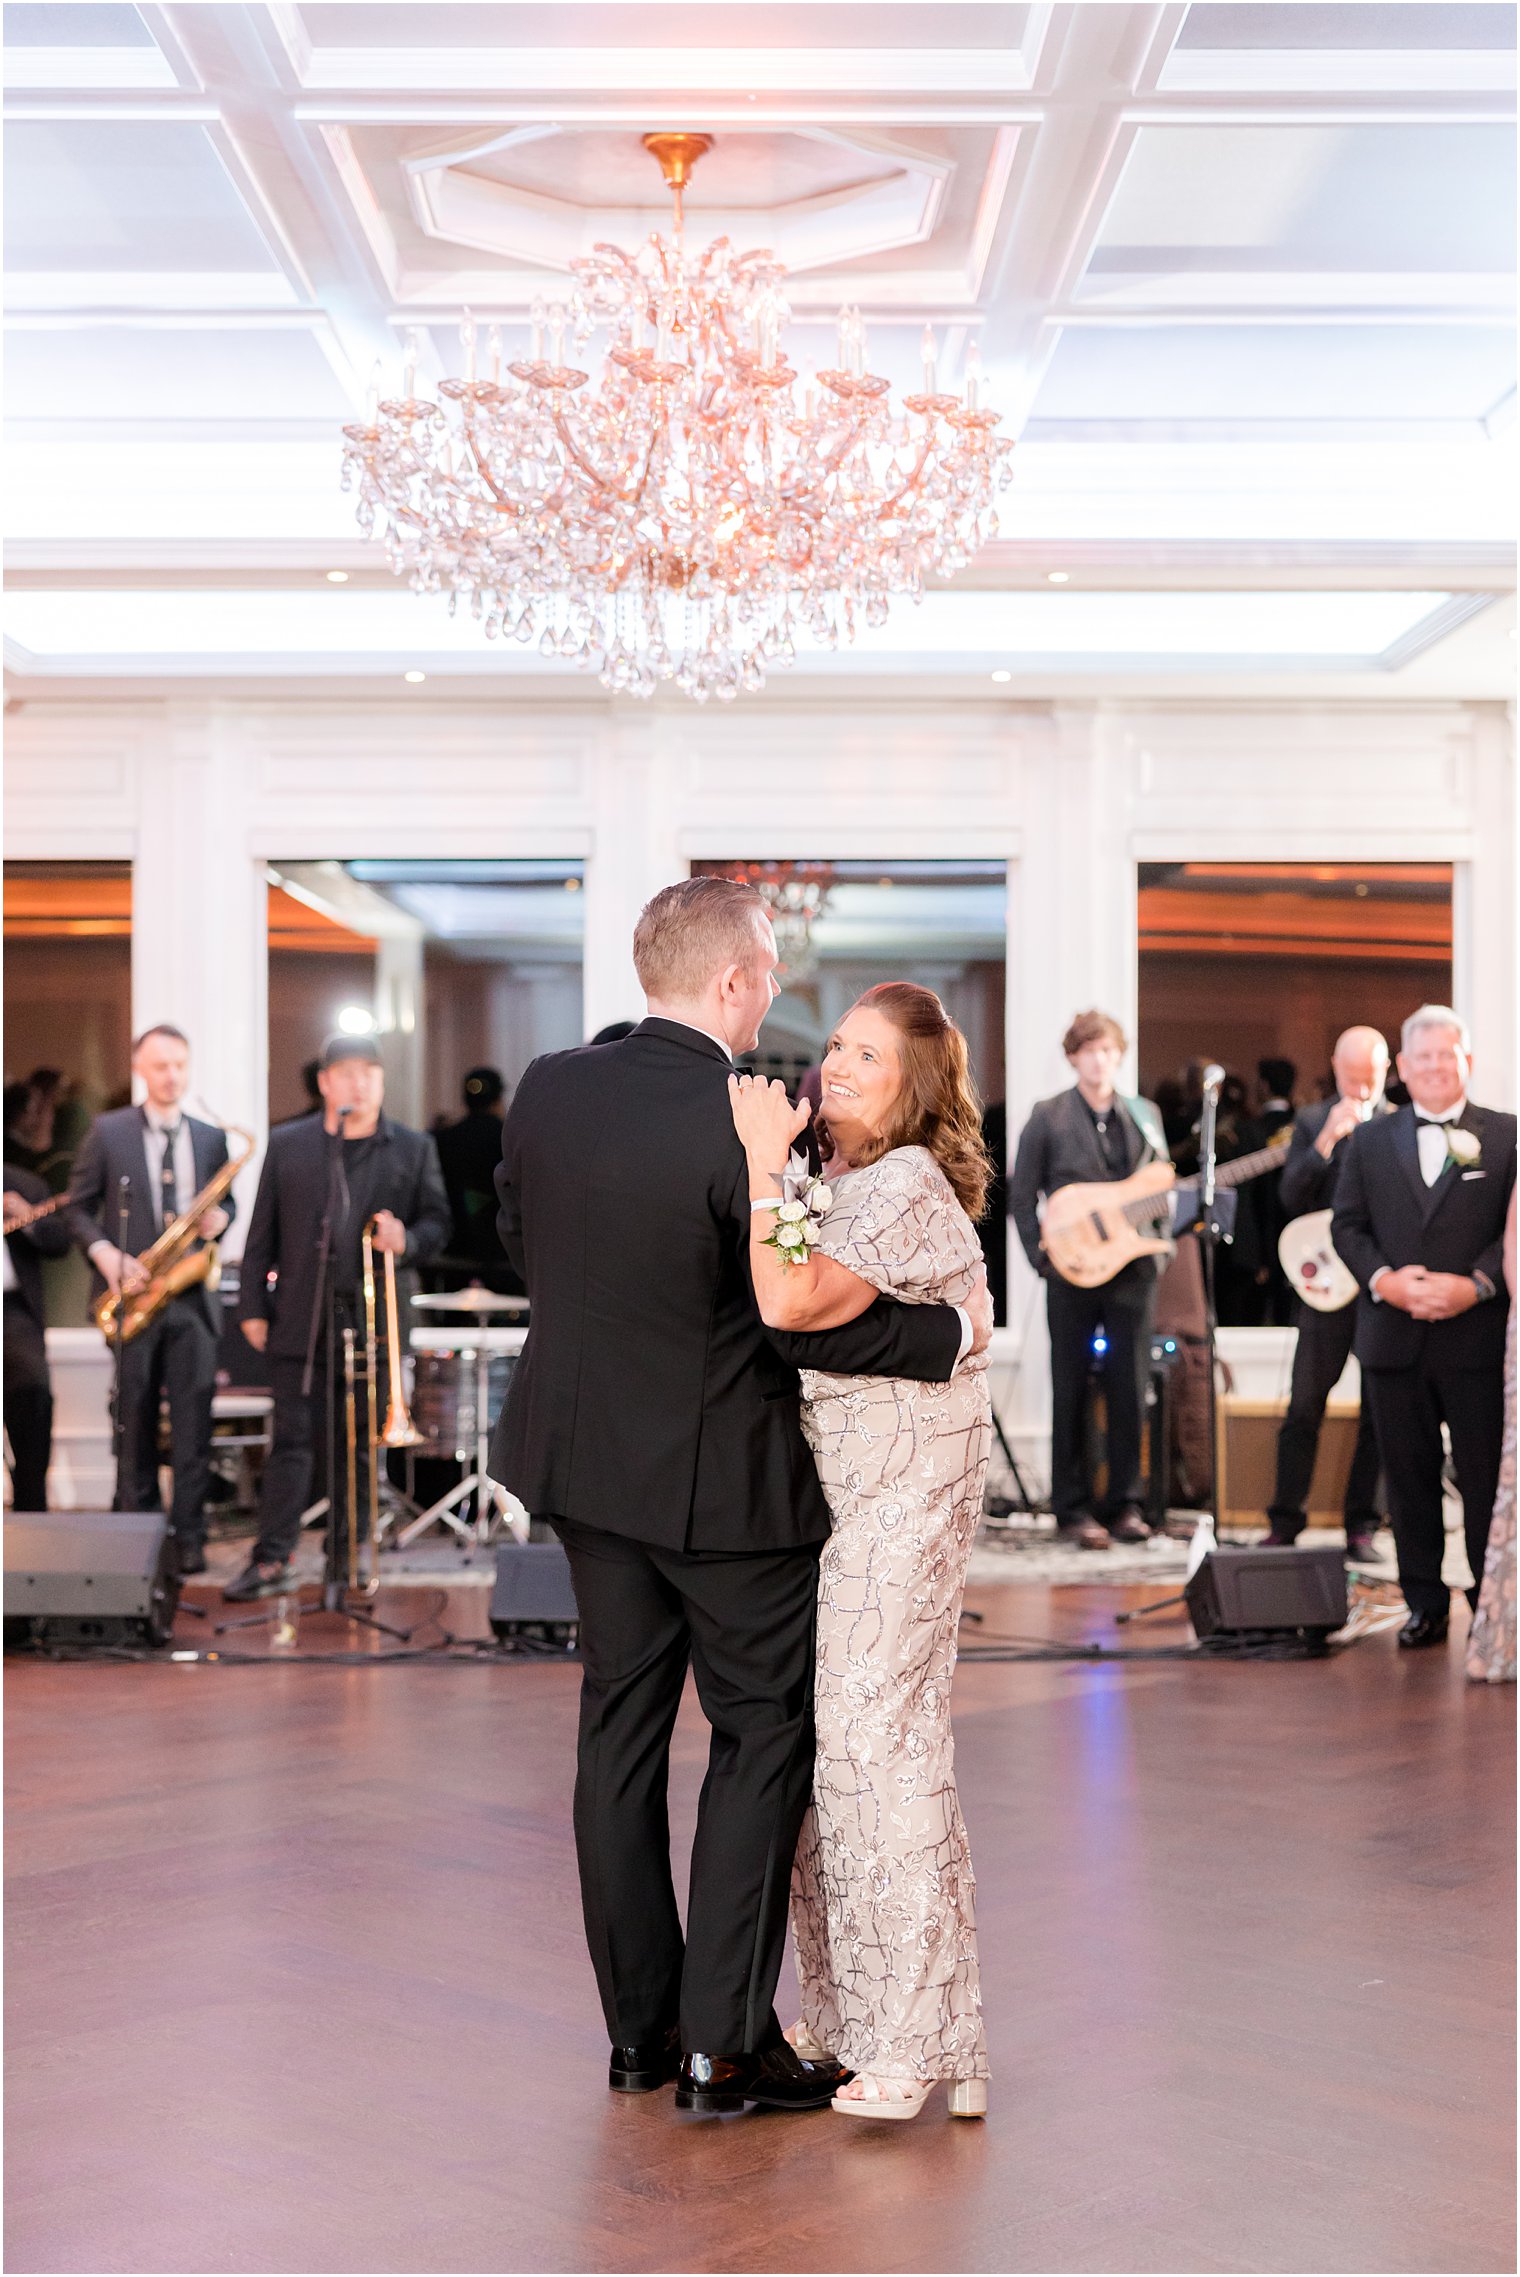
883, 1898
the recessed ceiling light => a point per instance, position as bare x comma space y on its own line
337, 577
1058, 576
572, 885
1002, 676
416, 678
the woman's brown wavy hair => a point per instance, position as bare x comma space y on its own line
937, 1106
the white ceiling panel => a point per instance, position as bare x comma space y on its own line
197, 374
1310, 372
90, 196
679, 24
81, 26
1373, 199
1365, 26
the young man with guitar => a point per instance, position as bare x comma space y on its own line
1359, 1064
1084, 1136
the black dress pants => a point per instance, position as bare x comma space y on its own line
747, 1627
295, 1474
28, 1407
1123, 1309
1324, 1343
1409, 1406
175, 1354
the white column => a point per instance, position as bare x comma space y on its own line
399, 1012
1483, 913
634, 835
199, 921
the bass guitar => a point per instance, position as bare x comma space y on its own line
1090, 1233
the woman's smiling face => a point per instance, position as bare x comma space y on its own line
862, 1076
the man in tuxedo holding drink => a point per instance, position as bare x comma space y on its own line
1420, 1205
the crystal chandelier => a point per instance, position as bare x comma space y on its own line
691, 514
795, 894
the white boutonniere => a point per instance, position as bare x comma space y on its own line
806, 1200
1462, 1147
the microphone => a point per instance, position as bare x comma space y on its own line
342, 1111
1213, 1076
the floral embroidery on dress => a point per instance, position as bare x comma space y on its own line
883, 1896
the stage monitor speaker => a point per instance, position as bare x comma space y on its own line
1268, 1596
89, 1577
533, 1601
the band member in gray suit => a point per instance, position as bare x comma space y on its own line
1079, 1137
1420, 1206
166, 1156
1315, 1152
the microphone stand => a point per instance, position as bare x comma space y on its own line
118, 1338
1210, 1232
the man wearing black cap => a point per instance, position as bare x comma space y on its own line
372, 1168
470, 1153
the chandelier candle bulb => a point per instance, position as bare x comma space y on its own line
537, 313
372, 408
409, 377
493, 338
467, 340
973, 375
929, 359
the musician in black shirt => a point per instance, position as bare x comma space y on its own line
383, 1171
1080, 1136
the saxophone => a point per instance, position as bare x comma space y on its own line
174, 1263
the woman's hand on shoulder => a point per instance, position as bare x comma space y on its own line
765, 1118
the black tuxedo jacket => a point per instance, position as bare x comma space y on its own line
115, 1148
1308, 1180
399, 1173
50, 1237
1385, 1214
650, 1399
1059, 1146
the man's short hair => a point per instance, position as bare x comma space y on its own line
160, 1028
1279, 1075
693, 930
1092, 1028
1435, 1016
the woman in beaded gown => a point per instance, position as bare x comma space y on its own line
1491, 1644
883, 1893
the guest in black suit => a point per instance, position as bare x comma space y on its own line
28, 1387
167, 1156
657, 1424
381, 1170
1315, 1152
1419, 1217
1081, 1137
468, 1152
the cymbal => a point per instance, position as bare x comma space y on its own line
472, 1300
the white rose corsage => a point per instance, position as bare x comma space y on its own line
806, 1200
1461, 1145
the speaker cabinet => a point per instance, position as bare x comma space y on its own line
89, 1577
1264, 1596
533, 1601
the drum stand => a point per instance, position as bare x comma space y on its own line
493, 1504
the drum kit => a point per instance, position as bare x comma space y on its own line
461, 1372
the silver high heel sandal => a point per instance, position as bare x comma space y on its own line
802, 2041
967, 2099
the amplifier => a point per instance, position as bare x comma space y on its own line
83, 1577
1266, 1596
533, 1599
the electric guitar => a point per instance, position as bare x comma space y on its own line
1090, 1233
1314, 1271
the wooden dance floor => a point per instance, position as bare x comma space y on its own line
296, 1981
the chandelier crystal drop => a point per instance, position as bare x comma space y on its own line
698, 508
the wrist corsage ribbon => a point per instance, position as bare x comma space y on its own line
801, 1207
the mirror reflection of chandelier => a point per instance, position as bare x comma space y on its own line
796, 894
697, 509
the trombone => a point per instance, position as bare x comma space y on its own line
398, 1429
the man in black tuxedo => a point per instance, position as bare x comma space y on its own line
1419, 1217
372, 1167
28, 1387
166, 1156
656, 1422
1315, 1152
1081, 1137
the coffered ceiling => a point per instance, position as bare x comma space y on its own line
1240, 276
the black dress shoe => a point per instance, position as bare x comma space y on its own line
1129, 1526
1361, 1549
1083, 1534
643, 2065
778, 2078
189, 1557
1276, 1542
257, 1580
1423, 1629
